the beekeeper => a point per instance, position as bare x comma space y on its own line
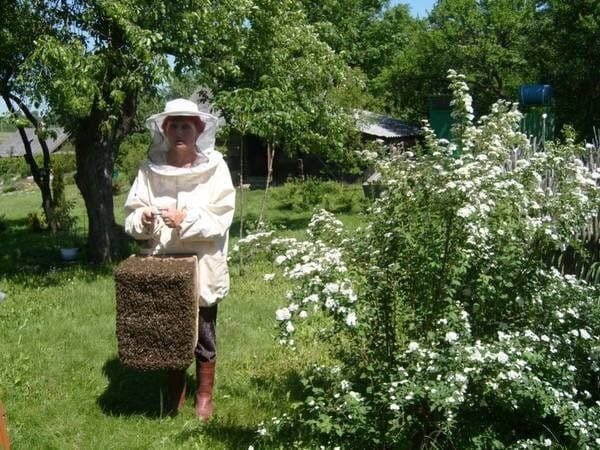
182, 202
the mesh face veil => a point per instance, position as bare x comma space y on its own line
205, 142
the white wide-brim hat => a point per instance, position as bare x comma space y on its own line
183, 107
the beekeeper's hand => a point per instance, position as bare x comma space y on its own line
149, 216
172, 217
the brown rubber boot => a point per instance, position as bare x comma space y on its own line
177, 387
205, 379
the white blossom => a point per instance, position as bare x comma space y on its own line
413, 346
584, 334
289, 327
502, 357
466, 211
451, 337
283, 314
351, 319
355, 395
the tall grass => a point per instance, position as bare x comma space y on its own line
60, 379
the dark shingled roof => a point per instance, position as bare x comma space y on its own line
13, 145
381, 126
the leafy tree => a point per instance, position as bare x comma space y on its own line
385, 37
486, 40
105, 53
565, 51
7, 123
367, 34
344, 25
282, 91
20, 23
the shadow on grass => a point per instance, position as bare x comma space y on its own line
231, 435
33, 258
287, 385
23, 247
132, 392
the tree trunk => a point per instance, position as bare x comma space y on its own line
96, 150
95, 164
270, 158
41, 176
97, 141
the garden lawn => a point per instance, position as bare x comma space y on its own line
61, 381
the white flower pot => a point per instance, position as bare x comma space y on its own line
68, 254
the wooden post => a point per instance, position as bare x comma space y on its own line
270, 158
4, 442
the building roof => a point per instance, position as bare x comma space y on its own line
381, 126
13, 145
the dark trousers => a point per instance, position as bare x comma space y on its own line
206, 348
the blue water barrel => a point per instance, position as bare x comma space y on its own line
535, 94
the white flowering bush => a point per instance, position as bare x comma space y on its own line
318, 270
450, 327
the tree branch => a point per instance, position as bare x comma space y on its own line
36, 124
26, 142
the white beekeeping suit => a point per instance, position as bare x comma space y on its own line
204, 191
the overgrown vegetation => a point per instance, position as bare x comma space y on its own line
306, 195
62, 208
133, 150
61, 213
440, 324
445, 325
17, 166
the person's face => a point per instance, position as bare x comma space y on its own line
181, 132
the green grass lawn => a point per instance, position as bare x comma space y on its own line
61, 381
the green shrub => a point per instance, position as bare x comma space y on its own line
120, 183
14, 166
17, 166
133, 150
301, 195
36, 222
62, 208
63, 162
